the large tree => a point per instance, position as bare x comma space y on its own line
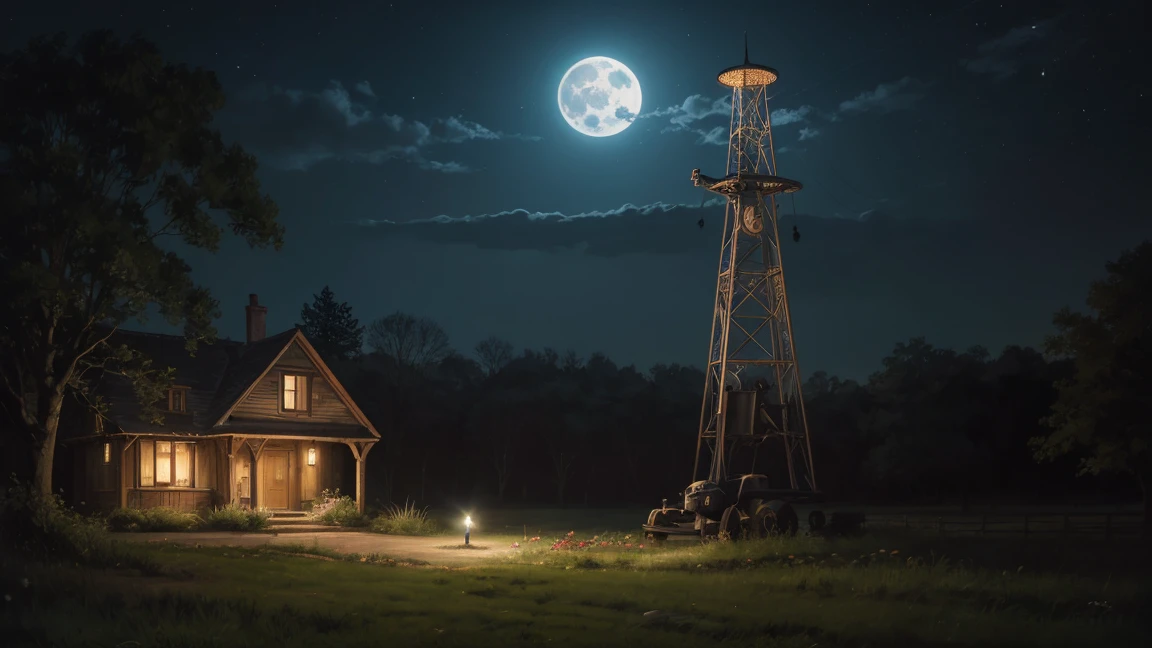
412, 342
330, 327
1101, 413
106, 151
494, 354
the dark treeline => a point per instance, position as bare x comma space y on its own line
539, 427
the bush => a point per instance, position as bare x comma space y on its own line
44, 529
234, 518
405, 520
334, 509
161, 518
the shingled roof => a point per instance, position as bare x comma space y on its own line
217, 375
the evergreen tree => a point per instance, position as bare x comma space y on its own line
330, 327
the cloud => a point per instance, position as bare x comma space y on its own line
698, 107
785, 116
1001, 57
294, 129
808, 133
661, 228
887, 97
718, 136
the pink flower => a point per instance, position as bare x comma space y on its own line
640, 546
515, 545
628, 544
582, 545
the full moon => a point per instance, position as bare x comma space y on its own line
599, 96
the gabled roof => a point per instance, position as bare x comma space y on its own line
219, 376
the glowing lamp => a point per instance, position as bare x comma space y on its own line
467, 528
311, 456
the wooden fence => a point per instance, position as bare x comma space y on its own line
1106, 525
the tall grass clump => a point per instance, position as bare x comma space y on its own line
44, 529
405, 520
160, 518
234, 518
334, 509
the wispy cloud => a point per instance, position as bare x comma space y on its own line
1002, 57
696, 108
628, 229
365, 89
886, 97
296, 129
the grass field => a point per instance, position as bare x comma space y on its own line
889, 588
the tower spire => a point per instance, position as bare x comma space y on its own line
746, 48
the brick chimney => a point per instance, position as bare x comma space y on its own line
257, 319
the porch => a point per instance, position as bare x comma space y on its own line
198, 473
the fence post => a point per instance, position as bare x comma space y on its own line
905, 520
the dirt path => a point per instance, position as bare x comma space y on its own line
441, 550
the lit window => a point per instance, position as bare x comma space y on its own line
182, 464
295, 393
167, 463
311, 456
147, 464
107, 453
163, 463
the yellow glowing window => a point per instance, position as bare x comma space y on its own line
167, 463
295, 393
163, 463
147, 464
182, 465
107, 453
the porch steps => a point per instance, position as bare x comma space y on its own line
298, 522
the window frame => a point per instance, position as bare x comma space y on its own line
299, 375
156, 483
183, 399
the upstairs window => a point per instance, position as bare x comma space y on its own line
294, 393
178, 399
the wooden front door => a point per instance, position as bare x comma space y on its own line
275, 479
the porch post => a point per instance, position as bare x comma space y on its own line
360, 452
123, 481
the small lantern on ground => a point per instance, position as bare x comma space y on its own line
467, 529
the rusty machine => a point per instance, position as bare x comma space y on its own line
753, 454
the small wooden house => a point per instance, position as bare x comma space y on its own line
259, 424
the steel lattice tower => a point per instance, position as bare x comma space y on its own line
752, 340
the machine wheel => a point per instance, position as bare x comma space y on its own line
774, 518
658, 518
730, 523
816, 521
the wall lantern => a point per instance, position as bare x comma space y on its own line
311, 456
107, 453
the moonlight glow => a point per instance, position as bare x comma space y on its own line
599, 96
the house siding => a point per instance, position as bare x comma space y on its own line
263, 403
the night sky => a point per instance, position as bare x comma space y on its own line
968, 167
